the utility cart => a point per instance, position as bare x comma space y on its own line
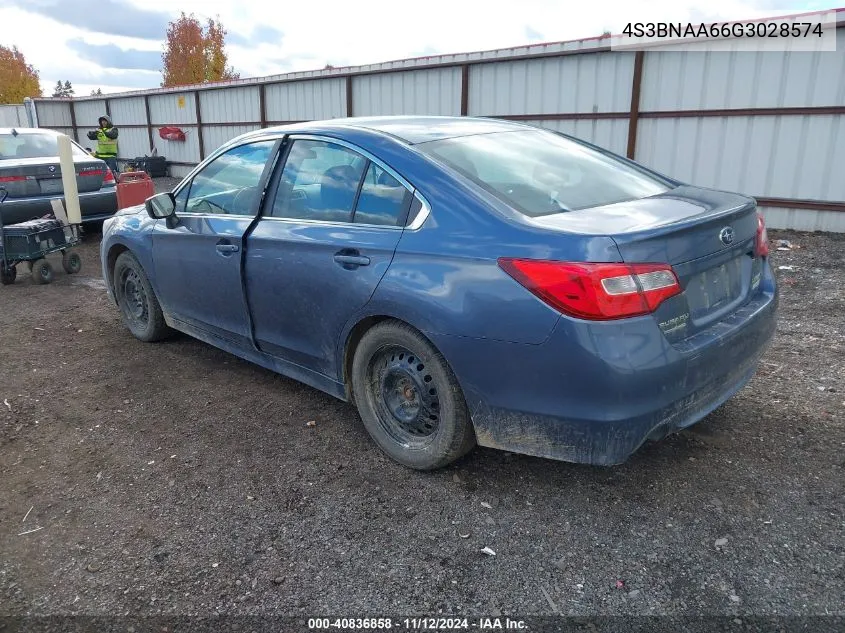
32, 241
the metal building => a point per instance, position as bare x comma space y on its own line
767, 124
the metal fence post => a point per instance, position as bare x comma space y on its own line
199, 125
634, 114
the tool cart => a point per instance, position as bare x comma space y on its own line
32, 241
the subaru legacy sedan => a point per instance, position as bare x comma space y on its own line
461, 281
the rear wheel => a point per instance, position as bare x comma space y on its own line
409, 399
42, 271
139, 307
8, 274
71, 262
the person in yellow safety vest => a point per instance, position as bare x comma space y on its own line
106, 137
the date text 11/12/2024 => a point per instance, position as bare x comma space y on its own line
417, 624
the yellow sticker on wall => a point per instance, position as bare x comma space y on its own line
180, 101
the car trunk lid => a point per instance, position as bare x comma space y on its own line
27, 177
707, 236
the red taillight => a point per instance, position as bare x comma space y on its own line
92, 172
761, 246
597, 292
108, 179
12, 178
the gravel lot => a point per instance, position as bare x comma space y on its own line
174, 479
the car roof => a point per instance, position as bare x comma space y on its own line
412, 130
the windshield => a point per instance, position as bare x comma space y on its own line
32, 146
539, 173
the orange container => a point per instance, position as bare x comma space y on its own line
133, 187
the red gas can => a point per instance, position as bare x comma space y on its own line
133, 187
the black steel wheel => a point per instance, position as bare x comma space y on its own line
71, 262
407, 403
409, 399
138, 304
8, 274
42, 271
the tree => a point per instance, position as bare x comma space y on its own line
97, 93
63, 90
18, 79
193, 54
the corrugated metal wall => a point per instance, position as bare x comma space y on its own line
776, 156
611, 134
692, 80
306, 100
215, 135
700, 117
436, 91
54, 113
599, 82
13, 116
236, 104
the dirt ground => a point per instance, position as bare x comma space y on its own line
173, 478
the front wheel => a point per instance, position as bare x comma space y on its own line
138, 305
409, 399
42, 271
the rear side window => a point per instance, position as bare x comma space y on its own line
32, 145
540, 173
319, 182
327, 182
383, 199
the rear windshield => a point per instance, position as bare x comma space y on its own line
539, 173
32, 146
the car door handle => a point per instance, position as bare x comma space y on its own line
227, 249
352, 260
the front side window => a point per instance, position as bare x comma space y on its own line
540, 173
231, 183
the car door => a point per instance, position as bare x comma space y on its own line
198, 257
326, 237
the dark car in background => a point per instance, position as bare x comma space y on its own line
30, 173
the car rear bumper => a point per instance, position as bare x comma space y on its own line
95, 206
594, 392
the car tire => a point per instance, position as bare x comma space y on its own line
42, 271
138, 304
8, 274
71, 262
409, 399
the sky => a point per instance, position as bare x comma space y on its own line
116, 45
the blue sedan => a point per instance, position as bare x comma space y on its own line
461, 281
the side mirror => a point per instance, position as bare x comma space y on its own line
161, 206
